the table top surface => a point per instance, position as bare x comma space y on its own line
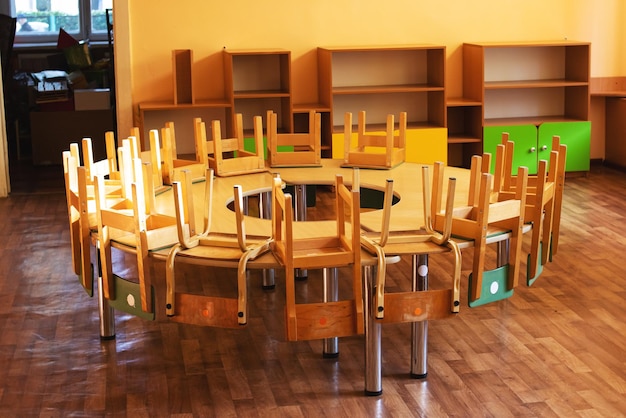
406, 214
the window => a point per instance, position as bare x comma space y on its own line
39, 21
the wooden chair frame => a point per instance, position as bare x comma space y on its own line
543, 202
134, 226
307, 147
394, 146
316, 320
243, 162
480, 221
422, 305
211, 250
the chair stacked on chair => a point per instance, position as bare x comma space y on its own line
423, 305
323, 245
484, 221
80, 199
134, 226
202, 247
543, 201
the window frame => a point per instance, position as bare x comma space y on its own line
85, 32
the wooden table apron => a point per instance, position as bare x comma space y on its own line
406, 214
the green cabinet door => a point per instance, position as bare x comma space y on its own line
577, 137
525, 138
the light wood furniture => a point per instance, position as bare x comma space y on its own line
255, 81
317, 320
228, 156
304, 149
375, 150
78, 216
423, 305
384, 80
80, 197
131, 225
543, 201
532, 84
481, 218
197, 245
185, 103
182, 74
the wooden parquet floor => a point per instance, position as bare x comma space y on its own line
557, 349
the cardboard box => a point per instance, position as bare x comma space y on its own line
92, 99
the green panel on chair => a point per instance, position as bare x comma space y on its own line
494, 286
577, 137
525, 138
128, 298
248, 145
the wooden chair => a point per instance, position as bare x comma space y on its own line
483, 221
205, 248
543, 201
172, 164
416, 305
79, 210
307, 147
227, 156
319, 249
131, 225
367, 153
80, 197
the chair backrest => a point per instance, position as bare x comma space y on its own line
307, 146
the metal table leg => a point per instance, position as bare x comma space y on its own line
419, 330
331, 294
373, 335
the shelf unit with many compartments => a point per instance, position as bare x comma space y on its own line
531, 84
383, 80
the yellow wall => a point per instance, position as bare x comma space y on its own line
156, 27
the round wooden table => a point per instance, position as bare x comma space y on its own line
406, 215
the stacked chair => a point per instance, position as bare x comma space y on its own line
382, 150
543, 201
80, 197
298, 149
319, 249
202, 247
423, 305
228, 156
488, 219
134, 226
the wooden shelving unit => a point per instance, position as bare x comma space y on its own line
383, 80
183, 107
258, 80
529, 84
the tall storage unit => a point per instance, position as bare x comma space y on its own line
384, 80
533, 84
